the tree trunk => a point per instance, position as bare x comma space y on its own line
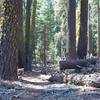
90, 35
90, 43
98, 29
10, 40
21, 58
44, 46
27, 66
72, 29
82, 43
32, 46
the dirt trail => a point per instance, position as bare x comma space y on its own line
35, 86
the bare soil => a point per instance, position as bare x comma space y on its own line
35, 86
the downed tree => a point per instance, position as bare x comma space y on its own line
77, 64
92, 80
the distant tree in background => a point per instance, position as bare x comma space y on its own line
98, 4
93, 27
27, 66
72, 29
33, 33
30, 34
44, 46
82, 43
45, 32
21, 57
90, 32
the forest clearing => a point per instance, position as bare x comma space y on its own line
49, 49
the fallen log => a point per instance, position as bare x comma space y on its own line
92, 80
76, 79
77, 64
95, 84
95, 81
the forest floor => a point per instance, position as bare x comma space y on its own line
35, 86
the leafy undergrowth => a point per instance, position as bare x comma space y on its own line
35, 86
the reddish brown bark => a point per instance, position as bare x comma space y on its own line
10, 40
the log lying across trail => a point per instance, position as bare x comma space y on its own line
77, 64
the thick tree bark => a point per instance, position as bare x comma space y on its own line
82, 43
27, 66
72, 28
10, 40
